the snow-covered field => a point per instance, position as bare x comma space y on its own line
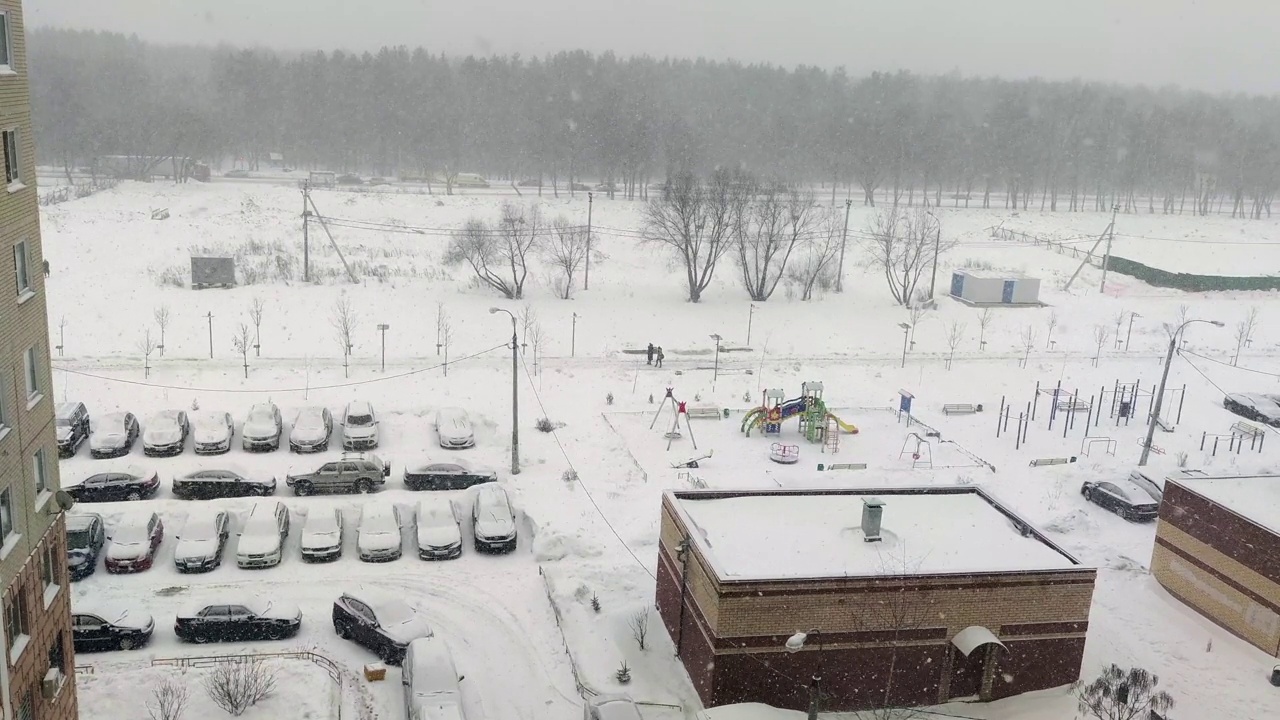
597, 537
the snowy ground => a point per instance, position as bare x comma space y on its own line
597, 537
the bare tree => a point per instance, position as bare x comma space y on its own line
897, 612
639, 624
766, 234
1184, 314
162, 320
499, 256
695, 221
146, 346
916, 312
1119, 694
444, 335
815, 266
537, 337
1244, 332
984, 321
256, 308
1101, 333
528, 318
241, 342
237, 685
903, 245
565, 250
1029, 337
1053, 323
168, 700
955, 333
344, 322
1119, 320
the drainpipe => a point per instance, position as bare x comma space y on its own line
682, 554
5, 701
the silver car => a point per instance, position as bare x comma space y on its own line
453, 428
212, 432
203, 538
311, 430
322, 535
262, 428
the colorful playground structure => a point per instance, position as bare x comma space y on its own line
817, 424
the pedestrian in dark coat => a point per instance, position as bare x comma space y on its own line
650, 355
658, 359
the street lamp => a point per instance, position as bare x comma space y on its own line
715, 370
795, 644
750, 314
1129, 334
383, 328
573, 337
515, 394
1168, 360
906, 338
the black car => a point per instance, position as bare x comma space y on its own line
249, 620
86, 534
110, 629
384, 625
208, 484
1123, 498
452, 475
71, 424
117, 485
1264, 408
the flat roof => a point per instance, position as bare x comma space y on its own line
992, 275
1254, 497
791, 535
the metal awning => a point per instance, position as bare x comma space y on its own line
973, 637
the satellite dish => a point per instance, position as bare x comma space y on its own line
64, 500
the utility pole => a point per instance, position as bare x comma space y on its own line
1106, 257
515, 391
210, 316
586, 273
1129, 334
844, 239
306, 247
1089, 255
573, 337
750, 314
715, 371
383, 327
937, 244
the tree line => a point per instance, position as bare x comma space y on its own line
887, 137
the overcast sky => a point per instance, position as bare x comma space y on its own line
1216, 45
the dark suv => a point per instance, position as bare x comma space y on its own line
355, 472
86, 534
71, 423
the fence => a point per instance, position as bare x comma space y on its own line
64, 193
1189, 282
1062, 248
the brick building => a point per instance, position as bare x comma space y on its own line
1217, 549
957, 597
36, 629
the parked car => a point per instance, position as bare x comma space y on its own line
113, 434
262, 428
311, 430
213, 431
71, 425
1123, 498
385, 625
359, 426
453, 428
378, 538
236, 174
249, 619
605, 187
452, 475
610, 707
355, 472
130, 484
203, 538
221, 483
579, 187
95, 628
86, 535
166, 433
493, 522
132, 544
431, 681
472, 180
530, 182
349, 179
261, 538
1264, 408
322, 535
1152, 484
439, 536
375, 181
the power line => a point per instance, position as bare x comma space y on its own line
1227, 364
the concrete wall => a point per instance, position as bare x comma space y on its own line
1026, 291
981, 289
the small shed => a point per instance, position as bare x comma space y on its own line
211, 271
984, 288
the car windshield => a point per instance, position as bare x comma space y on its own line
216, 421
264, 524
62, 421
261, 416
322, 524
359, 420
394, 612
108, 424
200, 528
78, 538
309, 419
130, 535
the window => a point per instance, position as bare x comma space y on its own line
15, 620
49, 566
11, 160
25, 711
33, 374
57, 659
6, 515
40, 472
4, 410
6, 63
22, 268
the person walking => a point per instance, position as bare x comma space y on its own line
658, 357
650, 355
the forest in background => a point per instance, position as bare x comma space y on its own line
898, 137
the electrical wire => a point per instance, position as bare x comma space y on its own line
1227, 364
1203, 375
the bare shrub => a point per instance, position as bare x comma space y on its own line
146, 346
545, 425
955, 333
1101, 333
168, 700
814, 267
499, 256
256, 308
241, 342
566, 251
985, 319
1029, 337
1244, 332
344, 322
162, 319
639, 624
1119, 694
238, 685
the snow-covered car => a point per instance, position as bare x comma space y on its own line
1123, 498
355, 472
261, 537
212, 432
237, 620
383, 624
165, 433
221, 482
113, 434
237, 174
453, 428
129, 484
71, 426
1253, 406
431, 681
311, 430
378, 539
451, 475
132, 544
203, 538
322, 535
359, 426
97, 627
262, 428
610, 707
86, 536
1153, 484
439, 536
493, 522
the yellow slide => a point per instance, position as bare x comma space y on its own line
851, 429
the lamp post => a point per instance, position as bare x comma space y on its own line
715, 369
1168, 360
586, 272
1129, 334
795, 644
210, 317
906, 338
573, 337
937, 246
383, 328
515, 394
750, 315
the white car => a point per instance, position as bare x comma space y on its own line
262, 428
322, 535
311, 429
165, 433
261, 541
453, 428
431, 681
203, 538
212, 432
379, 536
439, 537
492, 520
359, 426
610, 707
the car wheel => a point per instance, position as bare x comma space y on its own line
133, 496
127, 644
302, 489
342, 631
200, 639
364, 487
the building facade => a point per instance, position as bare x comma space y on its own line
888, 639
36, 674
1217, 550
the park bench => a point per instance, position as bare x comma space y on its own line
1041, 462
960, 409
707, 413
1248, 430
1073, 403
845, 466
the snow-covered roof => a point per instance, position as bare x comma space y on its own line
814, 534
991, 275
1254, 497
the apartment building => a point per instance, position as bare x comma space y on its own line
36, 674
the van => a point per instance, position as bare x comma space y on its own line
431, 682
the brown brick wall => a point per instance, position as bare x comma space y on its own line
13, 88
1221, 528
1035, 664
46, 625
1195, 583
